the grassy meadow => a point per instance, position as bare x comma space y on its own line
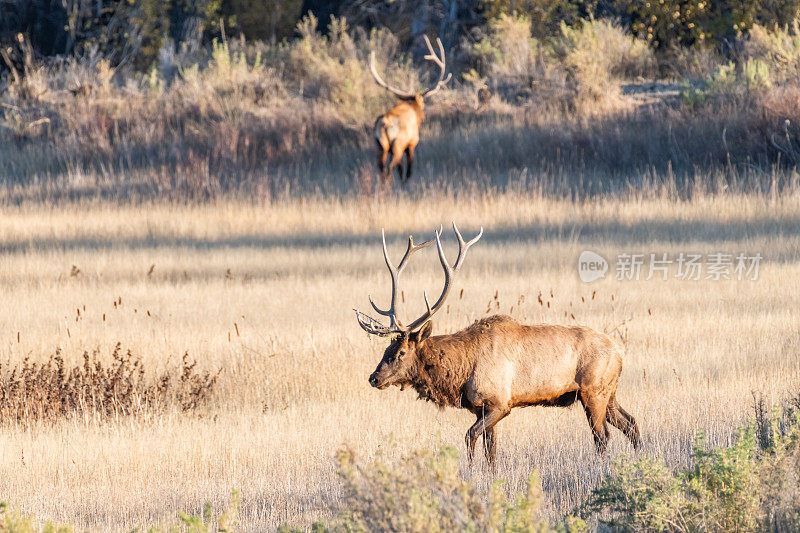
218, 217
265, 293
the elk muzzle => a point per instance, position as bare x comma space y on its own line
377, 382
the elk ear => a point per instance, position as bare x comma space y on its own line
424, 332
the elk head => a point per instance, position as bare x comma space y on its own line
400, 358
397, 131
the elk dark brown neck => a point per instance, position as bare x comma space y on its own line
442, 370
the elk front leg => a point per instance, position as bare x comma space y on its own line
486, 422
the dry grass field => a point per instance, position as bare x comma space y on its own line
265, 292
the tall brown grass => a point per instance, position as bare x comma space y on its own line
265, 292
32, 392
230, 198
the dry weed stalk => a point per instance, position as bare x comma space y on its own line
47, 391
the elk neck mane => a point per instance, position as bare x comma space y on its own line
416, 106
446, 362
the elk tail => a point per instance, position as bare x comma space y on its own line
382, 137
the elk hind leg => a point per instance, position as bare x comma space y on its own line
620, 419
595, 406
409, 161
382, 155
399, 159
483, 426
490, 445
396, 161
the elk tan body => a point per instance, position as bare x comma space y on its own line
497, 364
397, 131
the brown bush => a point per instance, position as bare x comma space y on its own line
47, 391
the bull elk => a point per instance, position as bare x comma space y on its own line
397, 131
497, 363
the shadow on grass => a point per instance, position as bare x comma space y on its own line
610, 233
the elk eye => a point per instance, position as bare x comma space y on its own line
401, 353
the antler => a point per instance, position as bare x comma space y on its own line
395, 326
440, 61
379, 80
374, 327
448, 274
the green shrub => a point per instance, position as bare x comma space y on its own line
756, 74
604, 47
424, 492
545, 16
751, 485
334, 69
507, 54
778, 50
209, 521
596, 54
13, 522
580, 66
727, 82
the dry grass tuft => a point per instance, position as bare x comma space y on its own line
34, 392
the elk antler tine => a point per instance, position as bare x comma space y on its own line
478, 236
410, 250
430, 48
448, 275
432, 54
421, 245
370, 325
386, 252
379, 80
458, 236
463, 246
442, 258
439, 60
378, 310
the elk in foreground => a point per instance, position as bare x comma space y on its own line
397, 131
497, 363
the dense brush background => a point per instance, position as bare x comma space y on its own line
196, 99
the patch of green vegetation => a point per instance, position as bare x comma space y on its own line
750, 485
424, 492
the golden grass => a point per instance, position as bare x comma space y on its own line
266, 293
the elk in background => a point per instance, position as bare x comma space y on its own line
397, 131
497, 363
